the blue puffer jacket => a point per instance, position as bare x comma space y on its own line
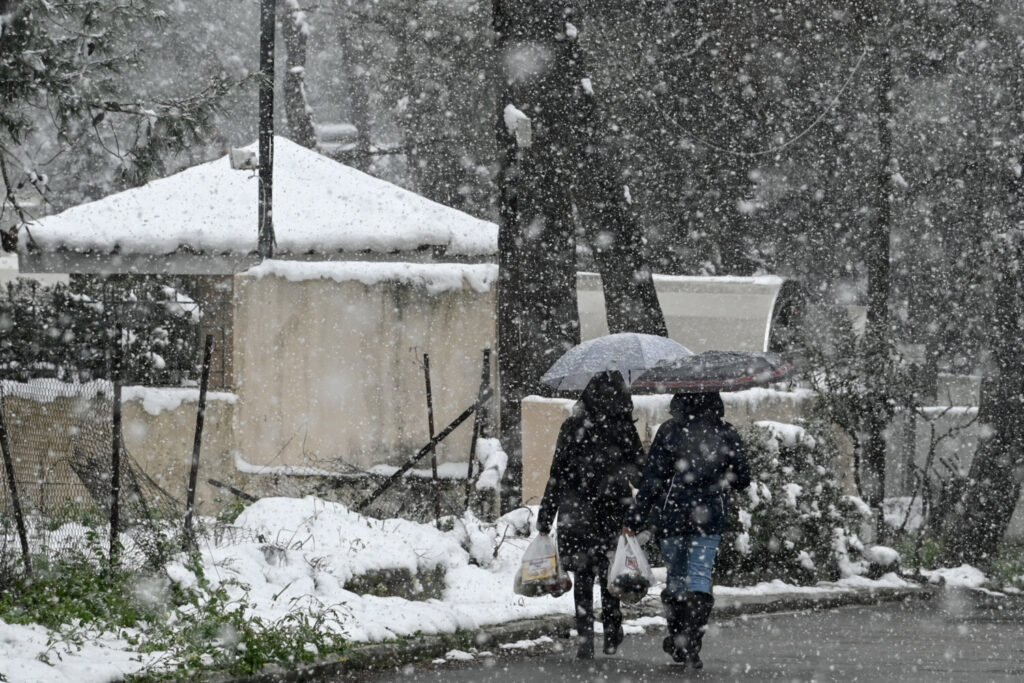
695, 460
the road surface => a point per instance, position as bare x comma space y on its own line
957, 636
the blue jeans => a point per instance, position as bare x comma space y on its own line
689, 561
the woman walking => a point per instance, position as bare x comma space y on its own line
597, 455
695, 460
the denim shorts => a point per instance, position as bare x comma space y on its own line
690, 561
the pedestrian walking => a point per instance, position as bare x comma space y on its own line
597, 457
695, 460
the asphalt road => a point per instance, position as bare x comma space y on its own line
959, 636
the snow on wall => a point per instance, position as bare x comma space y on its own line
435, 277
320, 205
156, 400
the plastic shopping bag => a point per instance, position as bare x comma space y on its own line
540, 572
630, 575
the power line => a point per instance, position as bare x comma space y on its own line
772, 150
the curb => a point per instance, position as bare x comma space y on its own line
388, 655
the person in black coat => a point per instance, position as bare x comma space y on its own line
597, 455
696, 459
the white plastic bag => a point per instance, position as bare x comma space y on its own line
630, 575
540, 572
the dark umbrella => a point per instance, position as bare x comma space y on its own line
714, 371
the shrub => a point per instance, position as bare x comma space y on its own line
794, 523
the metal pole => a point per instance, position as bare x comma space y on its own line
423, 451
115, 458
266, 128
19, 518
193, 472
433, 452
478, 424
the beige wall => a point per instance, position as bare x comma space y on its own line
542, 418
158, 435
330, 373
161, 443
701, 313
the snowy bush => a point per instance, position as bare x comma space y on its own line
67, 330
794, 522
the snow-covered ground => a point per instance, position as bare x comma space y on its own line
288, 554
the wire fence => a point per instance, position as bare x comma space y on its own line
60, 443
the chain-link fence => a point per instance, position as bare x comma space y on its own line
60, 451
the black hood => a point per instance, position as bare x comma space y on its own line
698, 406
607, 395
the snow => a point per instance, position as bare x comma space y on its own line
964, 576
493, 461
518, 124
786, 435
290, 553
320, 206
157, 400
435, 277
793, 492
99, 659
881, 555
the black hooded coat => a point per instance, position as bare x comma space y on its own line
597, 457
696, 458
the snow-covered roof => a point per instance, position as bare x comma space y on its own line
320, 207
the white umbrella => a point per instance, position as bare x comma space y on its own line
631, 353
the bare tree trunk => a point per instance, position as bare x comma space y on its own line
979, 521
537, 313
878, 357
611, 227
359, 99
297, 110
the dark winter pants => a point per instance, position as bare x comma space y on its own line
583, 592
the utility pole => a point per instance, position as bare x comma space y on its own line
266, 129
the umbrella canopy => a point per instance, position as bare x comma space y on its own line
714, 371
631, 353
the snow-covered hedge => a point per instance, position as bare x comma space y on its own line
794, 523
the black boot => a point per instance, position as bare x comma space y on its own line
585, 639
611, 618
583, 594
612, 640
675, 643
699, 608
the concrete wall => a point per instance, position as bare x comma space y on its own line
542, 418
954, 434
159, 435
954, 431
46, 422
329, 372
701, 313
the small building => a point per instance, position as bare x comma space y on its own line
323, 346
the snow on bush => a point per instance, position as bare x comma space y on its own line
793, 523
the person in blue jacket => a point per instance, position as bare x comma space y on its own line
695, 460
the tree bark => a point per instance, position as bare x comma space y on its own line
295, 31
359, 99
980, 518
610, 225
877, 356
537, 313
